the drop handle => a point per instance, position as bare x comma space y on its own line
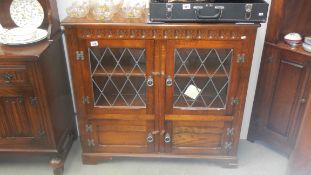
302, 100
7, 78
169, 81
167, 138
150, 138
150, 81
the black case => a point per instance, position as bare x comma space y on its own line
248, 11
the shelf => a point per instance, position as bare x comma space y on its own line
211, 101
127, 71
202, 73
129, 98
298, 50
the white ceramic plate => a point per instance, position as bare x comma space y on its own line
27, 13
39, 35
20, 34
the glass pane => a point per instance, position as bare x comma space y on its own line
201, 77
118, 76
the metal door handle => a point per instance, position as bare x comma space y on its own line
169, 81
150, 138
150, 82
302, 100
167, 138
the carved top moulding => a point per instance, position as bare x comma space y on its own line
123, 28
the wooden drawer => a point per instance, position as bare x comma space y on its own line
14, 74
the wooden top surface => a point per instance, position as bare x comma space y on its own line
299, 49
30, 51
118, 20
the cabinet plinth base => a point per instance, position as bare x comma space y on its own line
224, 161
93, 160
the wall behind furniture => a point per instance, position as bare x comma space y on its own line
62, 5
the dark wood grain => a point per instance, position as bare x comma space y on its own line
301, 157
284, 19
283, 86
36, 110
122, 130
278, 107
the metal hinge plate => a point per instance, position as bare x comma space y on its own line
90, 142
86, 100
89, 128
79, 55
235, 101
34, 100
228, 146
241, 58
230, 131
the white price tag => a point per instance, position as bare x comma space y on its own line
186, 6
192, 91
94, 43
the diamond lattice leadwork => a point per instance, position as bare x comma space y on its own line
204, 74
118, 76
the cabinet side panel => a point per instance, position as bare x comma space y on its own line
57, 88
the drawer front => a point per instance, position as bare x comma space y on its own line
14, 74
122, 136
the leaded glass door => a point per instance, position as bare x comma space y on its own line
201, 81
200, 78
119, 95
120, 72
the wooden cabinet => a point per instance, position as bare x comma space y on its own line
282, 92
159, 90
36, 111
284, 80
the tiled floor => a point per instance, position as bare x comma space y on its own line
254, 159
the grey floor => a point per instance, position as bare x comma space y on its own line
254, 159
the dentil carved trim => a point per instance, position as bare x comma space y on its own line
204, 34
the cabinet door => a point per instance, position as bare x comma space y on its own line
201, 84
119, 81
21, 124
282, 91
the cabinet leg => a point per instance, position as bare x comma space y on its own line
58, 166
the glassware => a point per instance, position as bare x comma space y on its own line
78, 9
133, 8
104, 10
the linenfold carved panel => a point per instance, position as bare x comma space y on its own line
161, 34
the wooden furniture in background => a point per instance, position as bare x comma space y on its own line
300, 160
36, 111
284, 81
130, 80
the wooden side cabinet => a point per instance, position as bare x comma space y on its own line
36, 111
282, 92
159, 90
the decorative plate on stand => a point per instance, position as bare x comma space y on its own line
27, 13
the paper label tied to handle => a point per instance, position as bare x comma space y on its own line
192, 91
